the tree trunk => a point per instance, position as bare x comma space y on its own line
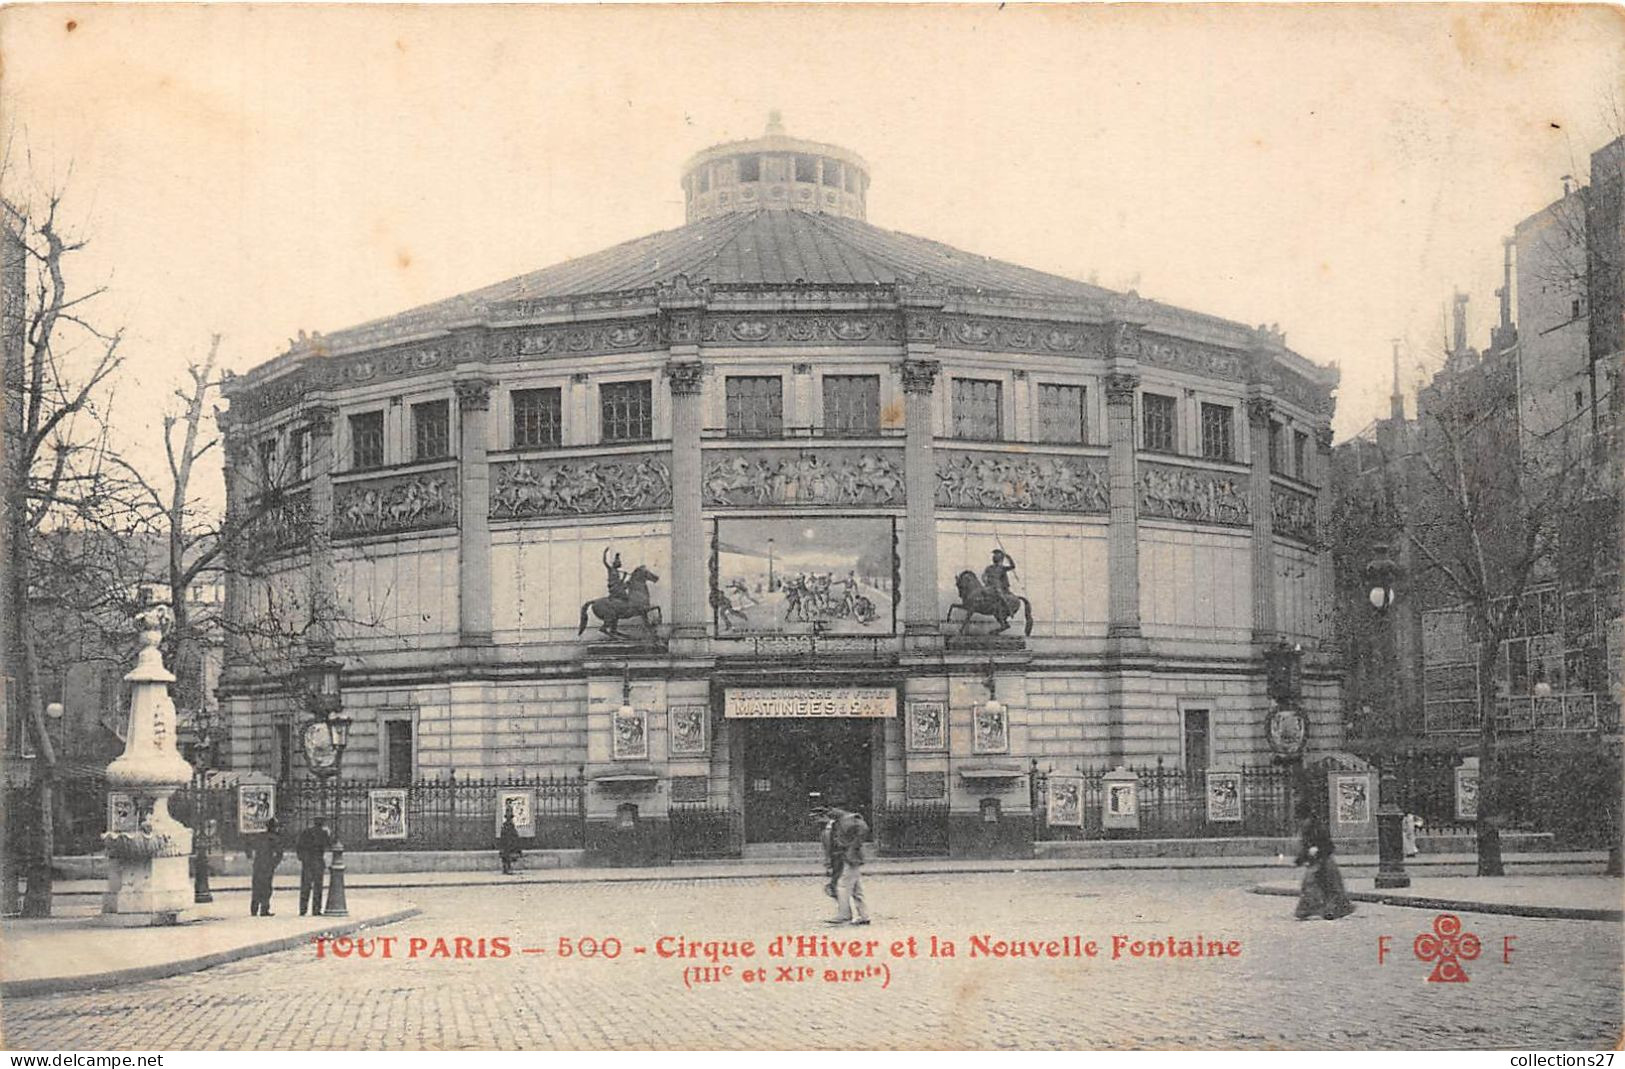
1489, 830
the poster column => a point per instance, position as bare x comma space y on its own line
474, 507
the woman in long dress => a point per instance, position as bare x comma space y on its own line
1322, 893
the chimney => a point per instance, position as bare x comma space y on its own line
1459, 324
1504, 335
1568, 184
1396, 400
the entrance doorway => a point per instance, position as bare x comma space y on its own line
787, 760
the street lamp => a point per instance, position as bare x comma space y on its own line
326, 738
1382, 575
202, 827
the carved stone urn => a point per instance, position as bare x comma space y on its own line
147, 878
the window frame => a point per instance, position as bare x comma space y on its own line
398, 715
775, 413
1146, 444
1300, 455
516, 397
415, 413
828, 427
355, 439
954, 418
646, 388
1186, 710
1039, 424
1222, 446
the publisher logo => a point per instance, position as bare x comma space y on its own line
1447, 946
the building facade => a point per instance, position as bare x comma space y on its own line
701, 515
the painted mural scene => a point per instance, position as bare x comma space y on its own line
782, 543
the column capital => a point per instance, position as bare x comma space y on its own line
1120, 387
1260, 410
920, 376
686, 377
320, 419
473, 394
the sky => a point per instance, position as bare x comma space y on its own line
255, 171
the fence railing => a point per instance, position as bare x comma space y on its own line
1172, 804
912, 829
700, 832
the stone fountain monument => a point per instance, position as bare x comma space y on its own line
147, 879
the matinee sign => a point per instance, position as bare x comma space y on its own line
770, 703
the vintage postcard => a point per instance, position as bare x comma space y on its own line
832, 527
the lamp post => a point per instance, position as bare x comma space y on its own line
202, 827
330, 730
1382, 574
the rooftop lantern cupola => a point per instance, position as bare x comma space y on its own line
776, 172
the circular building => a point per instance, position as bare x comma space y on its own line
779, 508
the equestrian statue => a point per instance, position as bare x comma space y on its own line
628, 597
991, 596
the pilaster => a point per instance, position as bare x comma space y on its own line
323, 582
1122, 383
1260, 412
236, 460
473, 512
681, 307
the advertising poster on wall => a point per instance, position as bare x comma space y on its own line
386, 814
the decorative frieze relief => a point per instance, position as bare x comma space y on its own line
579, 486
590, 338
1177, 354
1020, 336
1177, 493
801, 330
1292, 514
282, 528
736, 477
394, 504
1020, 481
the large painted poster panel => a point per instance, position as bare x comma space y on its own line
804, 575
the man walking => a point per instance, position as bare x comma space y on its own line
832, 856
311, 846
849, 833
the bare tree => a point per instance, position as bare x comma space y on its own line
59, 362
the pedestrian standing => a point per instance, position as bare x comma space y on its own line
311, 846
508, 843
849, 833
267, 856
833, 857
1322, 892
1407, 833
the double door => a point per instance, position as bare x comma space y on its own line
793, 764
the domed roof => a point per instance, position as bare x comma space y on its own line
776, 236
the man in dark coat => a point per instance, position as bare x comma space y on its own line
508, 850
267, 852
849, 833
311, 846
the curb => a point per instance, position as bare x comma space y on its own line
56, 985
1571, 913
678, 872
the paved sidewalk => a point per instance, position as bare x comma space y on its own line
1597, 898
73, 951
1441, 864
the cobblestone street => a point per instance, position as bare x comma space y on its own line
1294, 984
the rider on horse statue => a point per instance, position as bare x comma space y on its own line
615, 578
996, 577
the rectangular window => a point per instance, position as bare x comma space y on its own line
626, 412
1218, 432
755, 406
267, 462
851, 181
367, 440
538, 420
851, 405
1196, 740
705, 179
750, 168
1300, 455
398, 752
431, 430
832, 174
1277, 432
806, 169
300, 441
1060, 413
979, 409
1157, 414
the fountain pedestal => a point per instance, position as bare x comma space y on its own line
147, 878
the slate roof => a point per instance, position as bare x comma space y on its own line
763, 246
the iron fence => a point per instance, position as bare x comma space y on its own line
1174, 804
701, 832
912, 829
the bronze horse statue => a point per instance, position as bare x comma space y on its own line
611, 611
975, 599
